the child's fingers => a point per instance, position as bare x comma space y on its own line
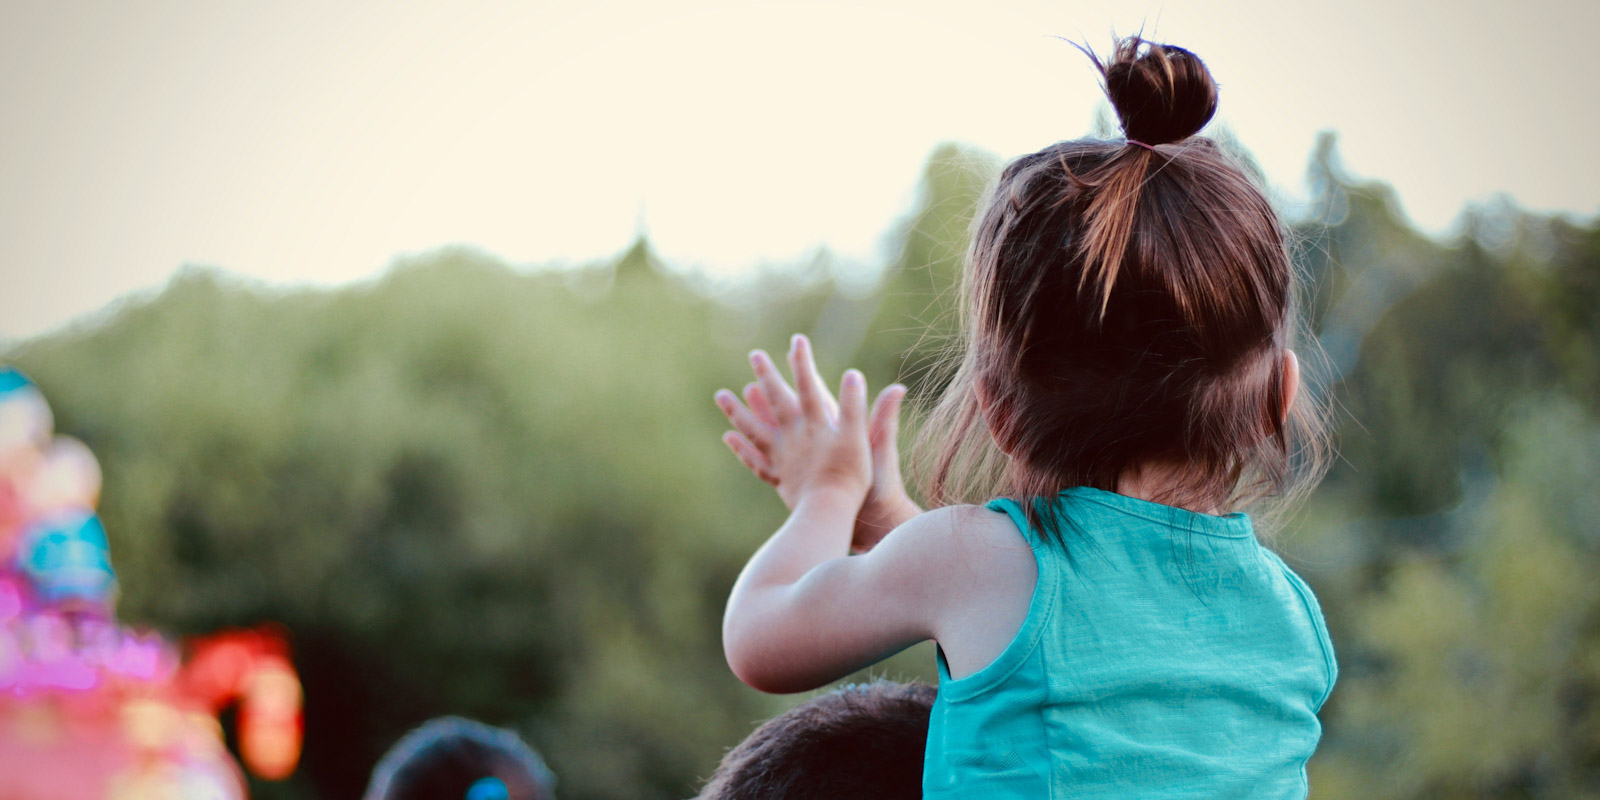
749, 456
808, 383
780, 398
744, 421
883, 432
830, 406
885, 423
853, 401
757, 401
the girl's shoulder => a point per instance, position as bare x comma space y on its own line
982, 572
967, 537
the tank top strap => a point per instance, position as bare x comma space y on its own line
1013, 509
1047, 553
1021, 649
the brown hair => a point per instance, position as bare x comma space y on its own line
1127, 304
858, 741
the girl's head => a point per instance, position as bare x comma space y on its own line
1129, 310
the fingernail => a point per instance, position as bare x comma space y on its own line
852, 378
756, 358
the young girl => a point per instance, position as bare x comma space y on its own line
1109, 626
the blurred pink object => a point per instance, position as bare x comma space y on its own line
10, 598
90, 710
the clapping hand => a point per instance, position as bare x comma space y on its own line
778, 434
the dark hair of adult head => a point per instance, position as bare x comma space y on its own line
451, 758
1127, 304
860, 742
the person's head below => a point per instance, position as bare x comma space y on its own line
1129, 309
859, 742
451, 758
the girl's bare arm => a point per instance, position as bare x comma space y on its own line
801, 612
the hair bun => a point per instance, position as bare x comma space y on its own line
1162, 93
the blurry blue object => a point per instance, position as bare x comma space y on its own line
67, 557
488, 789
11, 380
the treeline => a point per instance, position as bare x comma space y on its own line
466, 488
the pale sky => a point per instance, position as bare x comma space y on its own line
315, 141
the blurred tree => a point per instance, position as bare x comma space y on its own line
1452, 542
914, 324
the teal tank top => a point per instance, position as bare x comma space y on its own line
1165, 654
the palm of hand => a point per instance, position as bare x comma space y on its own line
796, 439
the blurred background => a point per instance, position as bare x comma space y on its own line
395, 328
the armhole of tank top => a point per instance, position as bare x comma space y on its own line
1318, 622
1026, 640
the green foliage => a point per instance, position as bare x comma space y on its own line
463, 490
915, 323
468, 489
1452, 544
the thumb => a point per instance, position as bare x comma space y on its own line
884, 428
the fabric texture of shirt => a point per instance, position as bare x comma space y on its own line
1166, 654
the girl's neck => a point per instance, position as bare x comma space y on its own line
1161, 482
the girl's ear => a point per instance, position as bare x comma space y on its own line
1291, 382
997, 415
